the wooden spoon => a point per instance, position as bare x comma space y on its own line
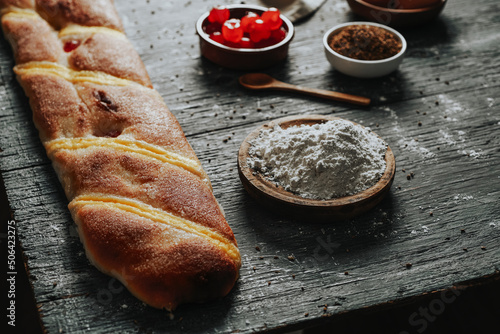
264, 81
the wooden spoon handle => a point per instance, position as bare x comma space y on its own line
354, 99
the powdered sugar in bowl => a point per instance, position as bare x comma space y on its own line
316, 166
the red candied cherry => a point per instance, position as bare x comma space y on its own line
272, 18
71, 45
219, 14
264, 43
260, 31
248, 20
232, 31
278, 35
212, 27
232, 44
246, 43
217, 37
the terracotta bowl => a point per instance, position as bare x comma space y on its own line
269, 195
396, 17
403, 4
243, 59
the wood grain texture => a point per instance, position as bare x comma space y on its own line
439, 114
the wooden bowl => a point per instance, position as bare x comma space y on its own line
396, 17
277, 198
243, 59
403, 4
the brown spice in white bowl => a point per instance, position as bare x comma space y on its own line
365, 42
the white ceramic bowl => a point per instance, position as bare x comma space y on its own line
363, 68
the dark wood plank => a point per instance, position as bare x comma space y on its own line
445, 132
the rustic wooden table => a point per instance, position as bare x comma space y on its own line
439, 113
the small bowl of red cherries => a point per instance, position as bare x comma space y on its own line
244, 37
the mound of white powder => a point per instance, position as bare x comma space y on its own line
322, 161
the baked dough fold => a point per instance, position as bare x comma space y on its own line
142, 203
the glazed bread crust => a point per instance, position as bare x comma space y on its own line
61, 13
129, 246
32, 39
104, 52
139, 196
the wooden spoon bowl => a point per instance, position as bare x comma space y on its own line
277, 198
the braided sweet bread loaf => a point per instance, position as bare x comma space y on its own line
142, 203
